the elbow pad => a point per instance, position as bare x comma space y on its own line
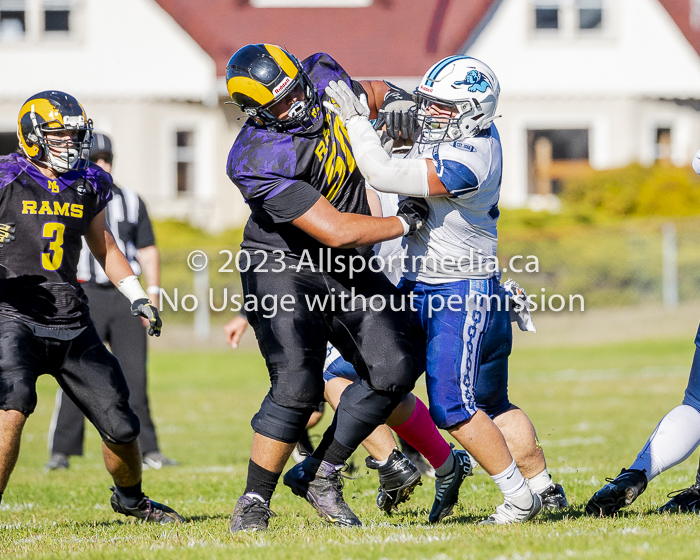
401, 176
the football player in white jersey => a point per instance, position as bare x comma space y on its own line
452, 271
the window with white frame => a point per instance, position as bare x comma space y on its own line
184, 161
547, 15
590, 14
57, 16
12, 20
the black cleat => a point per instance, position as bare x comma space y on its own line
398, 479
321, 484
683, 501
620, 492
251, 513
148, 510
554, 498
57, 462
447, 487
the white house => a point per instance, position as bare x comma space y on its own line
585, 83
591, 82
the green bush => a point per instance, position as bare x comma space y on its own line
634, 190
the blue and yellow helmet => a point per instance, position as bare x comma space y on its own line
258, 76
53, 111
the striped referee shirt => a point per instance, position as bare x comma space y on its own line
131, 227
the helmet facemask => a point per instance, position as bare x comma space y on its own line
302, 114
76, 147
466, 120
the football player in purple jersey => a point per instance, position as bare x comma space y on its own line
50, 197
295, 168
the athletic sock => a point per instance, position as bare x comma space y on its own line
335, 454
697, 479
421, 434
447, 467
261, 481
673, 441
305, 443
540, 482
511, 482
130, 496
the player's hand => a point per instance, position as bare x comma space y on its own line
6, 232
234, 329
395, 114
414, 211
144, 308
349, 106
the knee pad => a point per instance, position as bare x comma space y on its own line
120, 425
280, 422
20, 396
369, 405
398, 376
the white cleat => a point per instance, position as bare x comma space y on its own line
510, 511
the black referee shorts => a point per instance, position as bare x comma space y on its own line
385, 346
84, 369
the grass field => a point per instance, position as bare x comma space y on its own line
594, 408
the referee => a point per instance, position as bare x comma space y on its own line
126, 335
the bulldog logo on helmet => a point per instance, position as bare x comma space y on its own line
475, 80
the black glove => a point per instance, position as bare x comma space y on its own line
144, 308
394, 113
6, 231
415, 212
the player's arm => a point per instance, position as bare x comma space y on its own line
105, 250
375, 90
149, 259
342, 230
410, 177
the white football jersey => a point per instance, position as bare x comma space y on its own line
459, 239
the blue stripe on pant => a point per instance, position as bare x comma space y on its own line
454, 316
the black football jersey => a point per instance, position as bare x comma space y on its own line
38, 283
282, 174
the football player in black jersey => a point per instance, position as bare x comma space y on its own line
296, 170
50, 197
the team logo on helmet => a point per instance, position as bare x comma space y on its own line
476, 82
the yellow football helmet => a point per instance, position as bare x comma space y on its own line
258, 76
53, 111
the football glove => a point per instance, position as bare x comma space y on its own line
144, 308
414, 211
395, 114
347, 105
6, 231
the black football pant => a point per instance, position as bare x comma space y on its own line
83, 368
126, 336
386, 348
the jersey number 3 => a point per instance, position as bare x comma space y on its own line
53, 259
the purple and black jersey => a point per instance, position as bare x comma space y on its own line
38, 283
283, 174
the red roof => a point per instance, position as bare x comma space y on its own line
388, 38
680, 12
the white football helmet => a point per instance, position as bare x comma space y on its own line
463, 83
